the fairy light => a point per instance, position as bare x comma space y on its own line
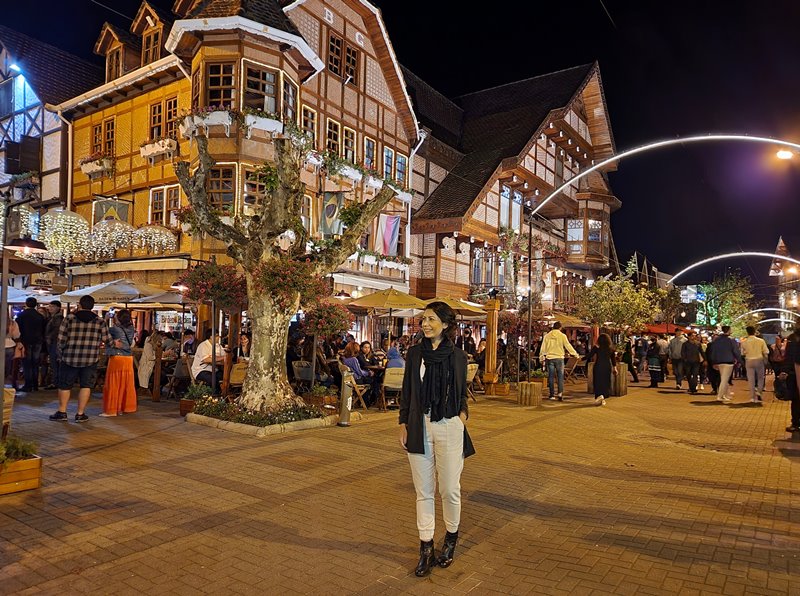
155, 239
65, 233
108, 236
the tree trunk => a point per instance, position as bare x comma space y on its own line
266, 386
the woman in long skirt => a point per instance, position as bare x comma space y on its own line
603, 356
119, 391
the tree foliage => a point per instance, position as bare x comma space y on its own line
725, 299
616, 303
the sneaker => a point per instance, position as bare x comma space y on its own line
600, 401
725, 399
81, 418
59, 416
560, 397
552, 398
701, 387
792, 429
678, 386
758, 397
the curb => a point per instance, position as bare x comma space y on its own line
265, 431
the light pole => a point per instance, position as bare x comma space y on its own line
26, 246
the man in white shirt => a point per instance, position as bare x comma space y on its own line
755, 353
554, 344
201, 365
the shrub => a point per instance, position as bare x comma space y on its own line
15, 448
218, 408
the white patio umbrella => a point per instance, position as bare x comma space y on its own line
119, 290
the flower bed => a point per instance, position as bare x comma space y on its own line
214, 407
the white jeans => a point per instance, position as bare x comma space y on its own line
755, 376
443, 457
725, 372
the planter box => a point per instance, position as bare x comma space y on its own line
157, 148
393, 265
530, 393
98, 166
370, 260
200, 124
376, 183
186, 406
404, 196
502, 389
314, 158
252, 122
350, 173
21, 474
187, 127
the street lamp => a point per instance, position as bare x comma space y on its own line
27, 246
784, 154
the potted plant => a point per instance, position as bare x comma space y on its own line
193, 393
20, 467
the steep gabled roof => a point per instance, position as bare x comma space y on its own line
434, 110
266, 12
55, 75
124, 37
776, 267
497, 124
139, 23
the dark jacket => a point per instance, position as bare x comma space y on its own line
691, 352
410, 405
725, 350
31, 326
51, 330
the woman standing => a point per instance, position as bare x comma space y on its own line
627, 358
12, 337
119, 391
604, 358
654, 362
433, 410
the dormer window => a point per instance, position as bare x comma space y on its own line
113, 64
151, 46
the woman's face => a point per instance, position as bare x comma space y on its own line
432, 325
366, 348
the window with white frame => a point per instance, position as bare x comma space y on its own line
261, 88
310, 125
369, 154
333, 139
164, 204
505, 202
290, 92
388, 162
400, 171
349, 144
516, 209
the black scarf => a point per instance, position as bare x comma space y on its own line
437, 381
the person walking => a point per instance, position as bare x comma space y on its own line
604, 357
51, 340
663, 355
726, 354
554, 344
627, 358
31, 328
641, 353
433, 414
674, 349
703, 374
787, 370
119, 390
756, 353
79, 340
691, 357
11, 340
654, 362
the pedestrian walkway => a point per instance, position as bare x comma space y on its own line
658, 492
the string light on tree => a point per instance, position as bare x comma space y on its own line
65, 233
109, 236
155, 239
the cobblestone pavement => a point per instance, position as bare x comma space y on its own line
658, 492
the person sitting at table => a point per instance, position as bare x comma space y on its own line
367, 357
480, 360
362, 377
189, 343
243, 351
323, 371
395, 359
201, 365
168, 342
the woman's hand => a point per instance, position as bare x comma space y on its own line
403, 436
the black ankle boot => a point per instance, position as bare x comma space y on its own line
427, 558
448, 549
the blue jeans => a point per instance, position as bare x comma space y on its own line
555, 366
30, 365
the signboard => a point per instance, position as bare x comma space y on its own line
110, 209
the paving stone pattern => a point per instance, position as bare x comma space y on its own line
658, 492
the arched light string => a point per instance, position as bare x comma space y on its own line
731, 255
778, 321
658, 144
790, 312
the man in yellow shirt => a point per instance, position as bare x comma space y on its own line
554, 344
755, 353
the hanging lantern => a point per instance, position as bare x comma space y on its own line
155, 239
108, 236
65, 233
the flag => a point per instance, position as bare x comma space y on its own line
388, 232
329, 223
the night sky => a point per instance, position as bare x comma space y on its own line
669, 69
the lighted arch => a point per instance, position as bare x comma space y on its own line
791, 312
657, 145
731, 255
778, 320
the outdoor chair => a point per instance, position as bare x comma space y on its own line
238, 373
180, 374
358, 390
569, 370
392, 381
302, 374
8, 408
472, 370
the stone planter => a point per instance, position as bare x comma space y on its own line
157, 148
98, 166
269, 125
265, 431
20, 474
186, 406
530, 393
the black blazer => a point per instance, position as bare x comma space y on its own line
411, 409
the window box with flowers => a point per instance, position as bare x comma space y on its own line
153, 148
198, 121
336, 167
263, 121
374, 181
97, 164
314, 158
